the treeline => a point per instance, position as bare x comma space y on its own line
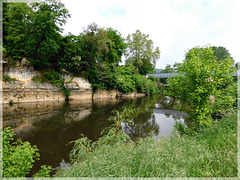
34, 30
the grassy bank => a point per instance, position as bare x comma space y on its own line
211, 152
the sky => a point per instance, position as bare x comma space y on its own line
175, 26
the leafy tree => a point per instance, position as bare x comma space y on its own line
141, 52
16, 19
200, 82
168, 69
221, 53
237, 65
116, 46
33, 30
44, 32
93, 44
70, 53
99, 47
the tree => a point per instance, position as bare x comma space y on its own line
116, 46
33, 30
169, 69
202, 80
237, 65
44, 32
70, 53
141, 53
99, 47
221, 53
94, 45
16, 19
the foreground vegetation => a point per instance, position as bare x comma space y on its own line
19, 156
210, 152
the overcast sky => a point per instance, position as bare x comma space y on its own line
175, 26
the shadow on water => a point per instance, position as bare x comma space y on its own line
53, 125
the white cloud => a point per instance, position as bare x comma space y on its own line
174, 25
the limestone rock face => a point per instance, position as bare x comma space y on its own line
80, 89
22, 72
20, 91
23, 89
103, 93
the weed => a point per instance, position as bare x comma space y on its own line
9, 79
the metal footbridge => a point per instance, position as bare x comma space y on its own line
167, 75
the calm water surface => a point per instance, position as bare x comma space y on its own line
53, 125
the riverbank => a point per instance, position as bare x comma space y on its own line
211, 152
21, 84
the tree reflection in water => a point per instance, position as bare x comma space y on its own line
155, 117
142, 126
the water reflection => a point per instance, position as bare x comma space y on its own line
53, 125
157, 118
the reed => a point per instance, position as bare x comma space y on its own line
210, 152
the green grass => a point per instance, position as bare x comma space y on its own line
211, 152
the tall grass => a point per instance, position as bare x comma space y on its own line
210, 152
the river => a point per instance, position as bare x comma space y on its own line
53, 125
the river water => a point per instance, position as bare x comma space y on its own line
53, 125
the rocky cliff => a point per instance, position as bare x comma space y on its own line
21, 88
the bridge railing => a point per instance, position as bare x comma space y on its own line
162, 75
167, 75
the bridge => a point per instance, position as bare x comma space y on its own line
167, 75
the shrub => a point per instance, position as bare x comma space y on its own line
123, 78
19, 156
200, 77
125, 84
8, 79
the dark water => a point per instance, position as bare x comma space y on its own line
53, 125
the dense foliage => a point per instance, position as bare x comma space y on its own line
33, 30
18, 157
125, 79
221, 53
205, 84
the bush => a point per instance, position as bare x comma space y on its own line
144, 85
8, 79
123, 78
18, 156
125, 84
201, 78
